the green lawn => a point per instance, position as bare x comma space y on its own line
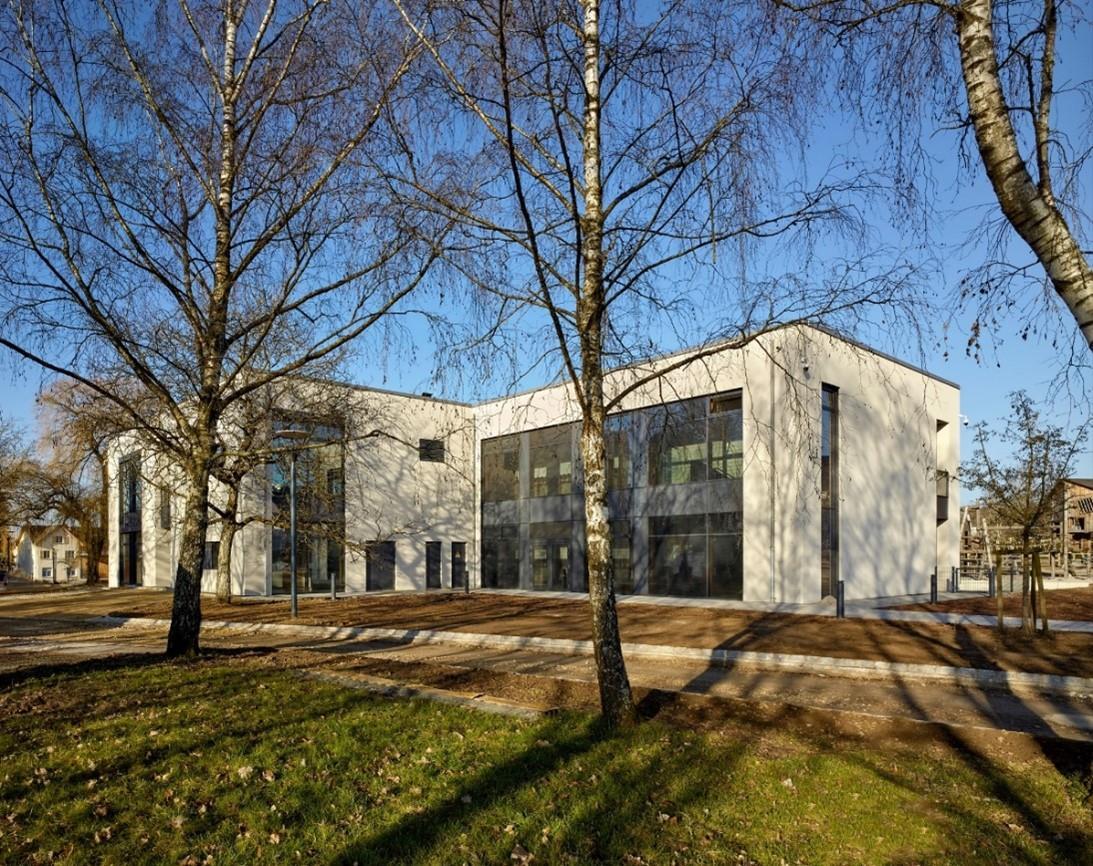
230, 761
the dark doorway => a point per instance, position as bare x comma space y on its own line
432, 565
380, 565
459, 564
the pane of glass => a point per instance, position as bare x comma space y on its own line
726, 567
551, 456
727, 445
677, 443
621, 565
617, 442
501, 469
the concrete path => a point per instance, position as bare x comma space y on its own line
879, 608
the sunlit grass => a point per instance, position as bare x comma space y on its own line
234, 762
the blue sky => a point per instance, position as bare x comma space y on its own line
960, 197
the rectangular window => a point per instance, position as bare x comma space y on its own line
459, 564
320, 504
164, 507
70, 554
46, 554
697, 555
677, 555
212, 555
129, 493
677, 443
380, 565
501, 469
430, 450
617, 442
501, 557
942, 496
47, 572
550, 559
551, 452
622, 571
432, 564
726, 433
58, 539
829, 490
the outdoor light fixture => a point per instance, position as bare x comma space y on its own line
294, 437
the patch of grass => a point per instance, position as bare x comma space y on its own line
230, 761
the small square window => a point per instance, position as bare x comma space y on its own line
45, 554
58, 539
212, 555
431, 450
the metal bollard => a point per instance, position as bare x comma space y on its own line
990, 583
954, 579
840, 600
933, 587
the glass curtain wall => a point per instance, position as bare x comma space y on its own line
674, 477
320, 507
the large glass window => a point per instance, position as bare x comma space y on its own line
501, 557
551, 452
677, 555
696, 555
829, 490
550, 555
677, 443
320, 506
501, 469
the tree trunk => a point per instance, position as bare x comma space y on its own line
616, 701
1038, 575
1026, 600
1029, 208
182, 639
227, 536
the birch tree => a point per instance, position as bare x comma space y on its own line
184, 183
990, 66
607, 155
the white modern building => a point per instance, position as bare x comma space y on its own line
48, 553
764, 473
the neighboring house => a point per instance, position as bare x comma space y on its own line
49, 552
767, 474
1074, 514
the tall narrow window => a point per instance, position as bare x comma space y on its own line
829, 491
942, 475
164, 507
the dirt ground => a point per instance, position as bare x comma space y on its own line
1072, 604
498, 613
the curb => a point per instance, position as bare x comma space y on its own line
823, 665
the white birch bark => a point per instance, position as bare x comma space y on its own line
1029, 208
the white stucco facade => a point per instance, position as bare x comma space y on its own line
897, 434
